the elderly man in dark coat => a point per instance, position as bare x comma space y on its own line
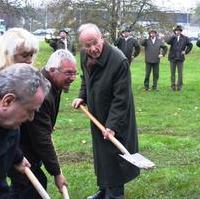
154, 50
179, 46
106, 89
36, 140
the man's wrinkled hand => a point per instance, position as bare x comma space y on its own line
60, 181
21, 167
107, 132
77, 102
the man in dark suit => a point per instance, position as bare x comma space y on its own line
22, 91
106, 89
63, 41
180, 45
36, 140
128, 45
154, 50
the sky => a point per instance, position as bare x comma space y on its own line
183, 5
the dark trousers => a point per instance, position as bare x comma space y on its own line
148, 68
4, 190
22, 188
179, 65
113, 192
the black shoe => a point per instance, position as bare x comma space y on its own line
98, 195
173, 88
146, 89
179, 88
154, 89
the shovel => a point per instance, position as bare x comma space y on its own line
65, 192
36, 183
136, 159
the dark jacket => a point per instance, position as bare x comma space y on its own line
106, 89
176, 47
36, 141
152, 50
198, 43
9, 154
59, 44
129, 47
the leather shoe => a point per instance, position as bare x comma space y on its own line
98, 195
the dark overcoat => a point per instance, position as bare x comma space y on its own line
176, 47
130, 47
106, 89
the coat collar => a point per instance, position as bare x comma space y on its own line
101, 61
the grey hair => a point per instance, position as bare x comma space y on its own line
87, 26
22, 80
57, 57
13, 39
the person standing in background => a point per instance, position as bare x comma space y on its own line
180, 45
154, 50
63, 41
128, 45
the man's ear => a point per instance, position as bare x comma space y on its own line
8, 99
52, 70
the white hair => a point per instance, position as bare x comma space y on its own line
13, 39
88, 26
57, 57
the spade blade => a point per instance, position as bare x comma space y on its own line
138, 160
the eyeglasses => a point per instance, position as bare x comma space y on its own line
68, 74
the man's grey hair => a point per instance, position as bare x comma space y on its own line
22, 80
57, 57
88, 26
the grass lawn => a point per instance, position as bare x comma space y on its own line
169, 127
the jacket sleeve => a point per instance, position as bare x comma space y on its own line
137, 49
144, 42
53, 43
40, 136
83, 92
18, 156
189, 46
198, 43
170, 40
122, 99
164, 48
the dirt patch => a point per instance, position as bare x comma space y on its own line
74, 157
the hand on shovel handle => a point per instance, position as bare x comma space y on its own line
65, 192
135, 159
36, 183
102, 128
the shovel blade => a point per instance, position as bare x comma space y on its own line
138, 160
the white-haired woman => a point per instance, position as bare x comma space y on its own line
17, 46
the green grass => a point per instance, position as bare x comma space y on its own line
169, 127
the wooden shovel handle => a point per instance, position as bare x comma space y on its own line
65, 192
102, 128
36, 183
